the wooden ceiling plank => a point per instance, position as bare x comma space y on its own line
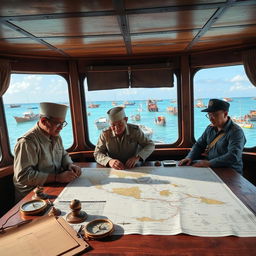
123, 24
186, 7
127, 11
27, 34
177, 8
210, 22
48, 16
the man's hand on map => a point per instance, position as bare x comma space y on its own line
74, 168
65, 177
131, 162
201, 163
116, 164
185, 161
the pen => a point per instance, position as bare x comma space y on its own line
79, 232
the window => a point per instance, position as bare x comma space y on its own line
24, 94
136, 102
230, 84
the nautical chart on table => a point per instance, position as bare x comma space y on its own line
160, 201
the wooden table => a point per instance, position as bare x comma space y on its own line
168, 245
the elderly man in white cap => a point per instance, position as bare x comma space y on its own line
122, 145
39, 156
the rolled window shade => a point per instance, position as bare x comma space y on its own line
135, 76
104, 80
151, 78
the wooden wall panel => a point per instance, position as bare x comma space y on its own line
132, 4
230, 32
237, 15
71, 26
6, 32
35, 7
172, 48
96, 52
79, 43
163, 38
220, 44
169, 21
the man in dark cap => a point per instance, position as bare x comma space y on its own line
221, 144
122, 145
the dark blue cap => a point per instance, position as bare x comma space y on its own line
216, 105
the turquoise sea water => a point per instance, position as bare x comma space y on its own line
163, 134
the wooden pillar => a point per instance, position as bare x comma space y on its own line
76, 108
186, 96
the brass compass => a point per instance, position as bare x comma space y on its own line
98, 229
33, 207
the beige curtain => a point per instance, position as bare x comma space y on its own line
249, 60
5, 74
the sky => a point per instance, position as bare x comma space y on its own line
209, 83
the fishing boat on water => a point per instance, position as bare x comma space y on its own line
146, 130
91, 105
101, 123
27, 116
152, 106
160, 120
246, 125
172, 110
200, 104
129, 103
136, 117
227, 99
15, 105
242, 122
251, 116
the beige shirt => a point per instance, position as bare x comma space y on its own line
132, 143
36, 156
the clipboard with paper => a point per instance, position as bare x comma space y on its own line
43, 236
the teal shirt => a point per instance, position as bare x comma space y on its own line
227, 152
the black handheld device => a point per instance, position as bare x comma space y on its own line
169, 163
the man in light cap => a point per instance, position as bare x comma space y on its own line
39, 156
221, 144
122, 145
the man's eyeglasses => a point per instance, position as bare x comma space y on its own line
207, 115
212, 114
58, 124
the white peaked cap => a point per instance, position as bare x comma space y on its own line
116, 114
53, 110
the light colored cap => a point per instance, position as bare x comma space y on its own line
53, 110
116, 114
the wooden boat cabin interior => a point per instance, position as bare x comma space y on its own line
123, 44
